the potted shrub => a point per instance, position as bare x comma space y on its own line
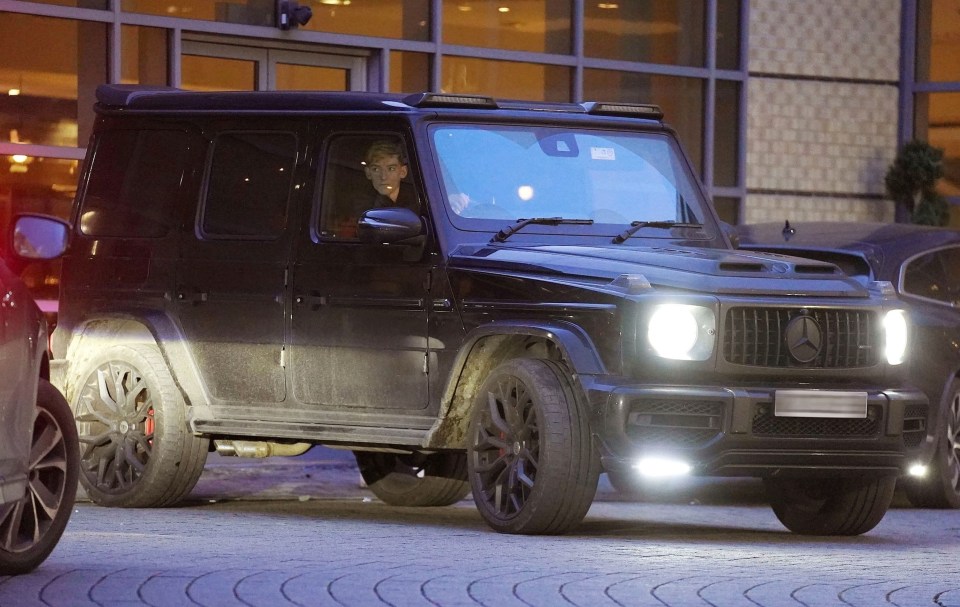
911, 182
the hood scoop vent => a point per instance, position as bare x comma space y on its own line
780, 267
815, 269
741, 266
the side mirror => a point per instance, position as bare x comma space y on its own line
39, 237
390, 225
731, 233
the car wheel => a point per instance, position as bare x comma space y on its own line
416, 479
31, 527
136, 449
532, 465
835, 506
941, 487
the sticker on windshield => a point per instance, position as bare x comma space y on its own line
603, 154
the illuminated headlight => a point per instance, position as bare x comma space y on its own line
895, 328
682, 332
917, 471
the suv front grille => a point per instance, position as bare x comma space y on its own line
768, 424
833, 339
668, 423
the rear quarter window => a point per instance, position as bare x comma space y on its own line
135, 181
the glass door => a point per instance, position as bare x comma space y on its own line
210, 66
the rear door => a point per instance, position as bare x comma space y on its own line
232, 277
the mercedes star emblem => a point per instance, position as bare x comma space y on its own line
804, 338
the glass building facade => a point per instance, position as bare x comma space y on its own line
931, 85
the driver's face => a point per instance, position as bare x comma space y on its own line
385, 173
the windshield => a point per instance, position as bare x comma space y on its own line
612, 178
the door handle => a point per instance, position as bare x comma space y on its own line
194, 297
314, 301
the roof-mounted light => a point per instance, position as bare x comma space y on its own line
445, 100
630, 110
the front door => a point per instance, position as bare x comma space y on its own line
215, 66
359, 323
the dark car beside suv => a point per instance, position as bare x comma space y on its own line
470, 294
923, 264
39, 452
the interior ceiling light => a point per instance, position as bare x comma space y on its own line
463, 8
13, 92
504, 9
608, 5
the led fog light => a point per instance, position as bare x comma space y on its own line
661, 467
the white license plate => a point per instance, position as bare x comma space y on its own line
819, 403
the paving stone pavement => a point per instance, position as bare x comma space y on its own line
304, 532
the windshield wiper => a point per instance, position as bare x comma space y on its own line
636, 226
509, 231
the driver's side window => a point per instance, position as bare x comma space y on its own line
363, 172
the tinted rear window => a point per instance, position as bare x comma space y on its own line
249, 185
135, 182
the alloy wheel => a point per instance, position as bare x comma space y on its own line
116, 425
507, 447
23, 523
953, 442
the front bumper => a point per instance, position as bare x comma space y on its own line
724, 431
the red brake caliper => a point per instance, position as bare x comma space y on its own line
149, 425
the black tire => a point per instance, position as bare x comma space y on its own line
136, 449
830, 506
417, 479
941, 487
31, 527
532, 464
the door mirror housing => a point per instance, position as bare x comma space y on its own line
390, 225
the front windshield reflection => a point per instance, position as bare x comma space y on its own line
612, 178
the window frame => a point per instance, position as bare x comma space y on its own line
318, 206
902, 278
200, 230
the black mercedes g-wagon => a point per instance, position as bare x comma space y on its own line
472, 295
